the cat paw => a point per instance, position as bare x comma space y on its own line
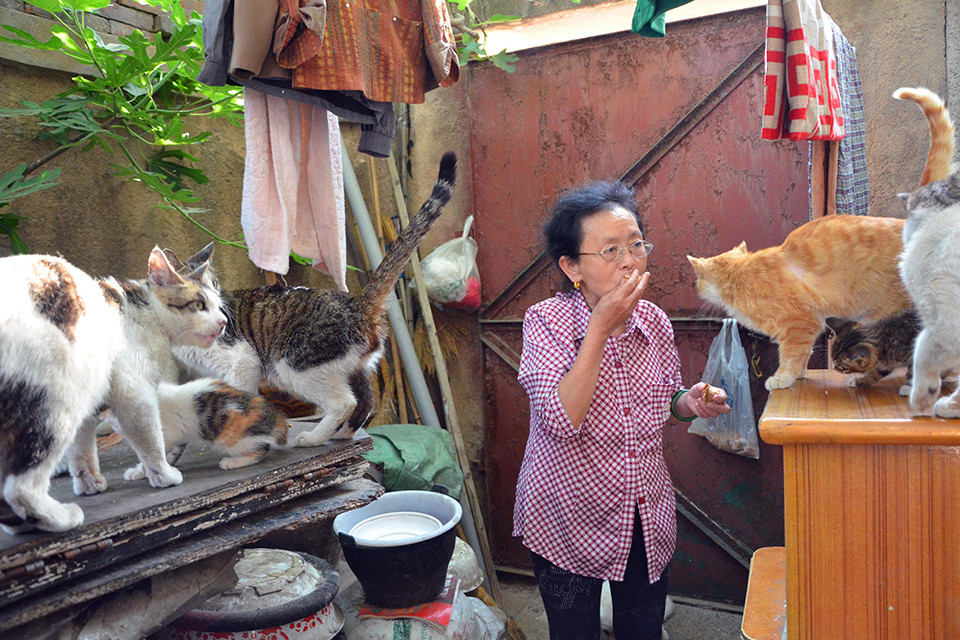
166, 476
946, 408
238, 461
86, 484
905, 390
921, 404
779, 381
66, 516
134, 473
308, 439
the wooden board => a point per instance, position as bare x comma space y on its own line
131, 518
307, 511
765, 609
870, 518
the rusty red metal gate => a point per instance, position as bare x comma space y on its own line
688, 107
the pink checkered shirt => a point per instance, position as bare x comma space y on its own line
579, 489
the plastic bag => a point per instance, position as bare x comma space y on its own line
727, 367
450, 272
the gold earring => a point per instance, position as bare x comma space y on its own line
576, 285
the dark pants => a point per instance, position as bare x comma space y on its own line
572, 601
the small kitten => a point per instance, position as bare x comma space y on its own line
242, 426
874, 349
69, 344
318, 345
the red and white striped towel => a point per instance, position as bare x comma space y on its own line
801, 93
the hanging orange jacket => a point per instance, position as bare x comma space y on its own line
391, 50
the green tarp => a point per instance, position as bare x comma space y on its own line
414, 456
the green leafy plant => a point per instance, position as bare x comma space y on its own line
137, 101
468, 28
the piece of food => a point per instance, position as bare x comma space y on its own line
709, 392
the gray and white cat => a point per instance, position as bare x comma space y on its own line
930, 268
70, 344
319, 345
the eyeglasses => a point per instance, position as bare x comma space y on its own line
613, 252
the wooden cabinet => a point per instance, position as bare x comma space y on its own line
871, 512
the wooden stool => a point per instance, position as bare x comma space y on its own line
765, 610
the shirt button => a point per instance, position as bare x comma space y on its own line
617, 364
626, 411
634, 453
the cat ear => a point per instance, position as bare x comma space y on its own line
160, 270
905, 197
742, 246
201, 256
174, 261
696, 263
839, 325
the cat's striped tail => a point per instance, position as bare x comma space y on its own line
941, 131
375, 295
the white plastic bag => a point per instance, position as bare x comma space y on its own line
450, 272
727, 367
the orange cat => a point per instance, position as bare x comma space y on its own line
844, 266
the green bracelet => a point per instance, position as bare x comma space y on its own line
673, 407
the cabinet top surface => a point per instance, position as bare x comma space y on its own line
823, 409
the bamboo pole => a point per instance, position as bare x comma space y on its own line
449, 407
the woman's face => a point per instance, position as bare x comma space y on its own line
598, 277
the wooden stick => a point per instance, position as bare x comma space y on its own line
449, 408
401, 391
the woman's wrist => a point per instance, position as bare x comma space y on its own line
674, 403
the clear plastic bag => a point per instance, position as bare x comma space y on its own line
727, 367
450, 272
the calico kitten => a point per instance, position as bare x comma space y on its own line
317, 345
874, 349
930, 265
842, 266
243, 426
68, 344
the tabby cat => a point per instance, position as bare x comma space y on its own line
840, 265
317, 345
874, 349
243, 426
69, 344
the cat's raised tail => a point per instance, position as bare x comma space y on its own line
375, 296
941, 131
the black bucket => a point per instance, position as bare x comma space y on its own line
401, 573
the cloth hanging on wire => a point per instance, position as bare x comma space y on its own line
837, 178
391, 50
853, 181
293, 186
649, 19
801, 93
237, 39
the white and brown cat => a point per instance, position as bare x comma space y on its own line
839, 265
70, 344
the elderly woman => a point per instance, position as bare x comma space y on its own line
600, 366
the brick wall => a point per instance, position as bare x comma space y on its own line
122, 17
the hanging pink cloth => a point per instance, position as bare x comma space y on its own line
293, 186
